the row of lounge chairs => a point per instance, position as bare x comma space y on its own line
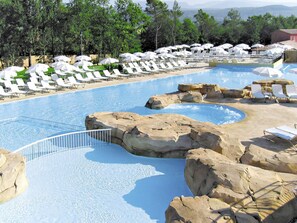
39, 82
277, 92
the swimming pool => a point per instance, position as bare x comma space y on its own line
27, 121
83, 185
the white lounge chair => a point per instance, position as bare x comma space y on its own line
277, 91
54, 77
35, 80
21, 84
108, 74
118, 73
92, 77
257, 92
140, 71
73, 81
98, 75
62, 84
283, 132
131, 72
46, 85
32, 87
16, 91
291, 91
82, 79
4, 94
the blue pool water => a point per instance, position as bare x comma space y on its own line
101, 184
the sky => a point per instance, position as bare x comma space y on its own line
225, 3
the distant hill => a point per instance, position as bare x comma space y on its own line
245, 12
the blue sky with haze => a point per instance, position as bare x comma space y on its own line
226, 3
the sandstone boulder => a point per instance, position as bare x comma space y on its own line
204, 210
164, 135
162, 101
284, 161
13, 179
266, 195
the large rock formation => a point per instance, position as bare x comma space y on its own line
204, 210
162, 101
284, 161
194, 93
266, 195
13, 179
164, 135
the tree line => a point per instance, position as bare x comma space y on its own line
51, 27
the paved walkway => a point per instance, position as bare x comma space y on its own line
260, 116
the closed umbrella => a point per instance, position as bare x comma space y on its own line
267, 72
83, 58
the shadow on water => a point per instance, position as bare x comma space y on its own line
154, 193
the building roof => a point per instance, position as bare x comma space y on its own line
289, 43
289, 31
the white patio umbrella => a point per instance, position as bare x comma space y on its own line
14, 68
83, 63
65, 67
257, 45
150, 52
185, 46
207, 46
166, 55
195, 45
267, 72
125, 54
7, 74
39, 67
131, 58
139, 54
226, 46
83, 58
243, 46
62, 58
197, 48
109, 60
286, 47
58, 63
149, 57
273, 51
162, 50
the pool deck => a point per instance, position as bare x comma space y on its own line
260, 116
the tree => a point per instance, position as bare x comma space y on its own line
175, 15
232, 26
207, 26
189, 33
159, 13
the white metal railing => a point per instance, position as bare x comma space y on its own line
64, 142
